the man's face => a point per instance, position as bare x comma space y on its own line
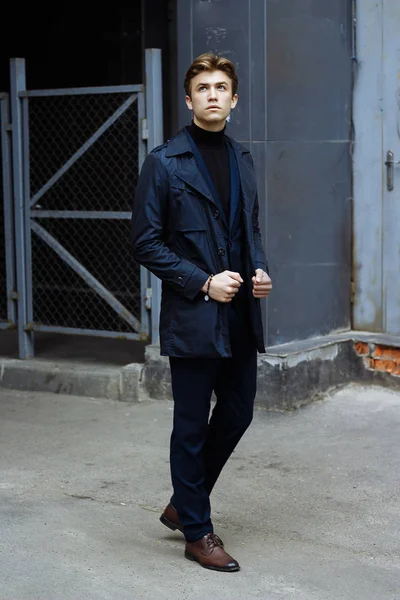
211, 99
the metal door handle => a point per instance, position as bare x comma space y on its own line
390, 164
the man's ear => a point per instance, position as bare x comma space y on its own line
235, 99
189, 102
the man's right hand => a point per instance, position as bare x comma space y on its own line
224, 286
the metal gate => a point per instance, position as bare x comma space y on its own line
76, 155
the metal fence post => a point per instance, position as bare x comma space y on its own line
154, 115
18, 84
8, 211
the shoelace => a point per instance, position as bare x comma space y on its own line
213, 540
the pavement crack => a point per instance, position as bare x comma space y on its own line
99, 500
80, 497
148, 508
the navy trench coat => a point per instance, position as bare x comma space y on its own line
179, 235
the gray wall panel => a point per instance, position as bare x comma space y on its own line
309, 72
294, 64
258, 71
308, 300
223, 27
309, 202
309, 221
185, 54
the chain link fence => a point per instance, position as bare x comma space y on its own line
102, 179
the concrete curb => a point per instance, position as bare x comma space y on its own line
288, 376
295, 374
61, 377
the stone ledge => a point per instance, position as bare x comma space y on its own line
59, 377
289, 376
62, 377
294, 374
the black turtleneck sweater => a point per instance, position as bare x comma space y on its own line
212, 147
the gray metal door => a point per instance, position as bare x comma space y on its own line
391, 167
377, 168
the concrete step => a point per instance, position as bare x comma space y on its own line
289, 376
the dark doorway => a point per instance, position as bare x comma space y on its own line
64, 48
79, 46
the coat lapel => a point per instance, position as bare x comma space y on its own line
190, 172
191, 175
206, 179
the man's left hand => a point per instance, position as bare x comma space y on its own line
262, 284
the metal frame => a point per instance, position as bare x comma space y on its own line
58, 248
18, 84
11, 321
154, 114
79, 153
110, 89
21, 215
87, 277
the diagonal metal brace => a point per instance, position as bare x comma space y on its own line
91, 281
81, 151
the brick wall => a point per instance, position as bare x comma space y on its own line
379, 358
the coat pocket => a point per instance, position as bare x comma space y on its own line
197, 327
192, 241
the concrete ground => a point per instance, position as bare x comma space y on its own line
309, 503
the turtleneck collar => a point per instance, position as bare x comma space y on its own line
206, 138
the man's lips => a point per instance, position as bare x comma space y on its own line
210, 107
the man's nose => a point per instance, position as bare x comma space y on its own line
212, 93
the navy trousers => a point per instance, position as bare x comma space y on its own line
200, 445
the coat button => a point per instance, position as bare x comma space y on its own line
221, 251
216, 214
180, 280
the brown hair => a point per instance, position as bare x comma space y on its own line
211, 62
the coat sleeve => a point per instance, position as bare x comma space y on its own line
261, 259
148, 218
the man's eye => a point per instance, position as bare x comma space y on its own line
221, 87
201, 88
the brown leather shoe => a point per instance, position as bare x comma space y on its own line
170, 519
209, 553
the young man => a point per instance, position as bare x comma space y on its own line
195, 226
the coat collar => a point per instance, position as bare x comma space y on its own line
180, 144
177, 145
